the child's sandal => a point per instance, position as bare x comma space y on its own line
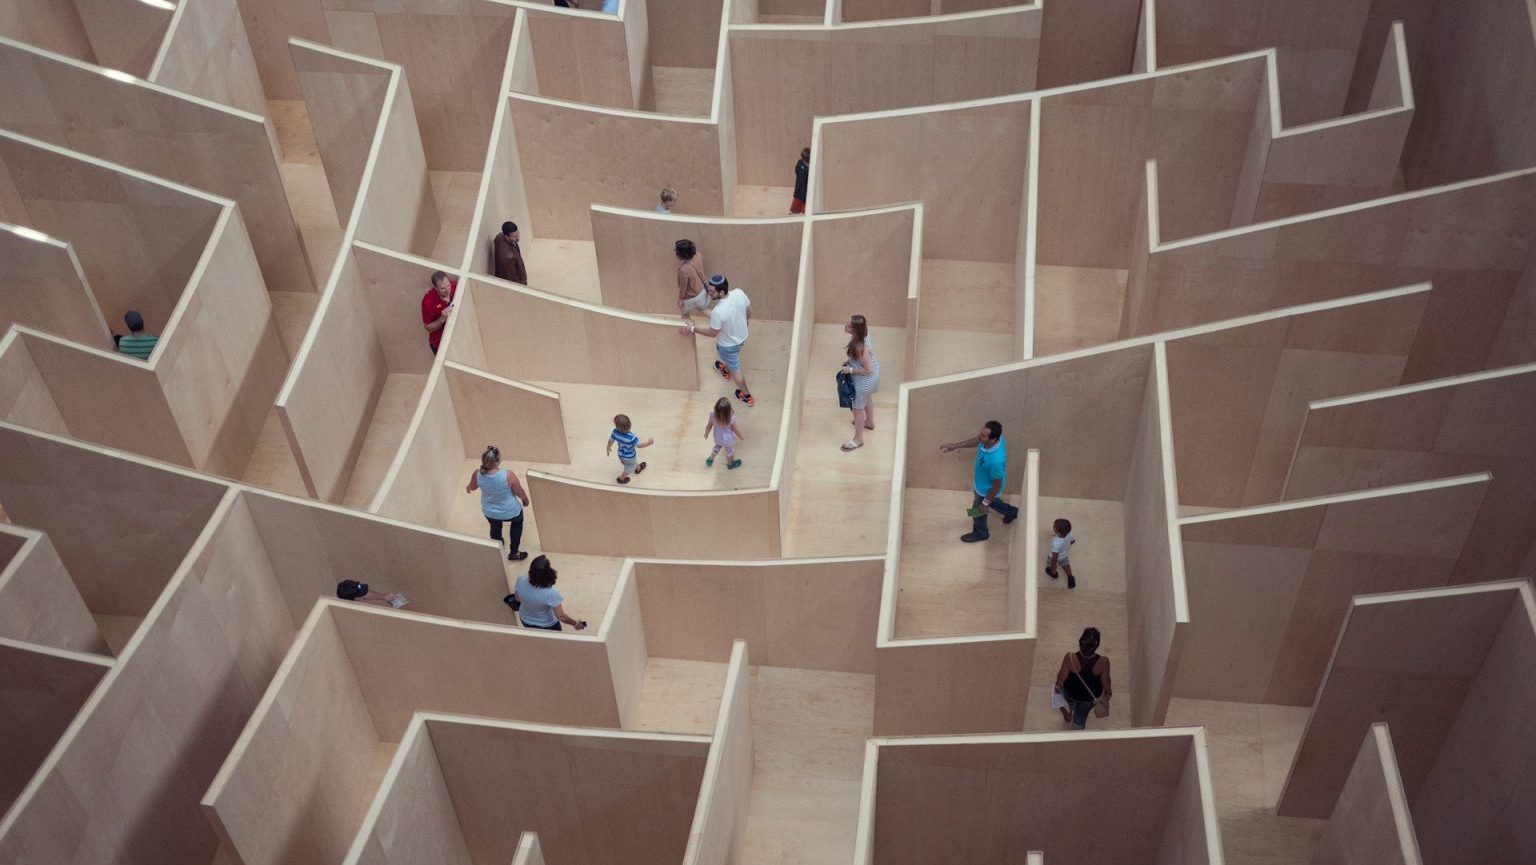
736, 463
709, 461
639, 468
624, 479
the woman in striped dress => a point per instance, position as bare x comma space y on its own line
866, 379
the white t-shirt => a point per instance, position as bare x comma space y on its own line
1062, 546
730, 318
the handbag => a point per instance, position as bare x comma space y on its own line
1100, 703
845, 389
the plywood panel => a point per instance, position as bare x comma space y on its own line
532, 336
398, 210
966, 165
572, 157
145, 264
143, 518
813, 614
1094, 143
1371, 825
644, 523
455, 102
329, 398
1086, 41
637, 267
725, 794
45, 288
686, 32
525, 420
1004, 796
168, 714
1397, 241
43, 689
1156, 596
49, 25
591, 797
937, 687
863, 267
39, 602
206, 53
1270, 593
313, 547
222, 361
412, 817
124, 37
779, 76
1474, 799
160, 132
1189, 836
423, 482
345, 98
1039, 403
312, 741
24, 397
582, 58
1409, 661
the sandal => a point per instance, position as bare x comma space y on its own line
709, 461
735, 463
639, 468
624, 479
852, 445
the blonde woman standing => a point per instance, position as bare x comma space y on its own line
502, 500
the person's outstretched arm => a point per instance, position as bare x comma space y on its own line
963, 443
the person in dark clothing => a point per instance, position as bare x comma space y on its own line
1084, 680
802, 179
507, 256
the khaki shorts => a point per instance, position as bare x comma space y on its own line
699, 302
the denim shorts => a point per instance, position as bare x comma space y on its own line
730, 355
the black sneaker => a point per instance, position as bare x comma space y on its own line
517, 556
972, 537
1007, 520
1071, 582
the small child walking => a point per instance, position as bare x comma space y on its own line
722, 424
628, 442
1061, 550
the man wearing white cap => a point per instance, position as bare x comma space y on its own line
728, 325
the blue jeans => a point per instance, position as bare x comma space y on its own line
979, 524
1080, 713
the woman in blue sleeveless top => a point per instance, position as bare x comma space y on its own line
501, 499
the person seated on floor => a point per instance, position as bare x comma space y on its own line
352, 590
137, 343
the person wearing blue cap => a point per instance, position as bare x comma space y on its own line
728, 325
137, 343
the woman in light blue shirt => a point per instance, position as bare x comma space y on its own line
501, 500
542, 605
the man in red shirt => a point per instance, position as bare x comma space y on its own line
435, 306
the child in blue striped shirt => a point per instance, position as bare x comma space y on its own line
627, 441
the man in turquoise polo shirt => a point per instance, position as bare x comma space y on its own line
987, 485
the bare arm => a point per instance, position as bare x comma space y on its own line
709, 425
862, 367
702, 331
1066, 670
963, 443
682, 285
1104, 677
474, 482
645, 444
438, 323
560, 614
737, 430
517, 488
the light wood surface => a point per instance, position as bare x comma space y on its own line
719, 822
493, 409
864, 266
965, 165
1240, 393
778, 75
1418, 432
221, 150
43, 689
584, 57
345, 97
1371, 824
637, 267
205, 52
1412, 660
1043, 774
1354, 249
39, 603
46, 288
125, 38
411, 818
1304, 561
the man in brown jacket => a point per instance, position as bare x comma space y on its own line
507, 257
